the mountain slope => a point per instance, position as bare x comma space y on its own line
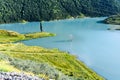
55, 64
35, 10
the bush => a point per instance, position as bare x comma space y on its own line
36, 68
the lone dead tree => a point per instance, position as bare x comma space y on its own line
41, 27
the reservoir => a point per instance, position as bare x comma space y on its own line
86, 38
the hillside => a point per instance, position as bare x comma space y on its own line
36, 10
45, 63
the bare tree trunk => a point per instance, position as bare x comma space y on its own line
41, 28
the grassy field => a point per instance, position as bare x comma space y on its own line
62, 62
11, 36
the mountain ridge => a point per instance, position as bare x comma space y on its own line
29, 10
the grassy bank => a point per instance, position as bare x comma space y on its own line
11, 36
58, 63
45, 63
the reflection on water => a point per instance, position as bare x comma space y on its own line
114, 27
71, 37
69, 40
64, 41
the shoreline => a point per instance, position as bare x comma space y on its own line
64, 59
27, 49
71, 18
12, 36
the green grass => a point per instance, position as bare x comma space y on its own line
11, 36
42, 70
63, 62
38, 35
5, 66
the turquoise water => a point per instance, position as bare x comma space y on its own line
90, 40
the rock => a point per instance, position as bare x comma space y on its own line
17, 76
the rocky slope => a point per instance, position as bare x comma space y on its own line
17, 76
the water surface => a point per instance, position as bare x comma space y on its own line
90, 40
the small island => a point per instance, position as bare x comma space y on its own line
115, 19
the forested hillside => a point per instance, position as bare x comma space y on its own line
35, 10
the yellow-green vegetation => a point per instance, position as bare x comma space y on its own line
5, 66
47, 63
62, 61
11, 36
38, 35
23, 21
